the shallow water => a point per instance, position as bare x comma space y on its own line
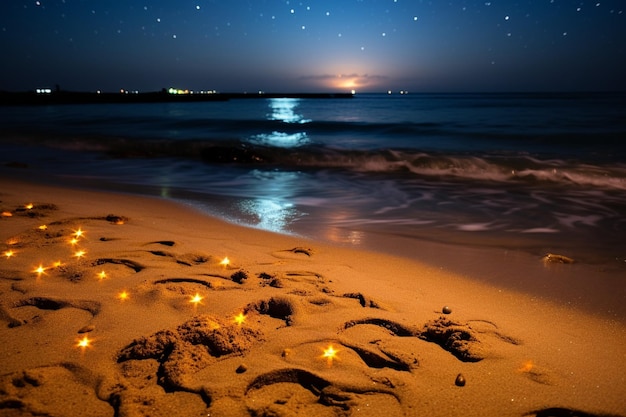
532, 172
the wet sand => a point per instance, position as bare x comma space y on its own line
117, 305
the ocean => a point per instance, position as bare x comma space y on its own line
536, 173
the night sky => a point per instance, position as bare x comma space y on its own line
316, 45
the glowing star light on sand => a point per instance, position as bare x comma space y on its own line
78, 233
225, 261
8, 253
39, 270
196, 299
330, 353
240, 319
79, 253
102, 275
123, 296
83, 343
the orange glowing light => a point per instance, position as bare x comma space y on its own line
43, 227
240, 319
80, 253
83, 343
123, 295
73, 241
39, 270
330, 353
78, 233
196, 299
102, 275
8, 253
57, 264
345, 82
29, 206
225, 261
7, 214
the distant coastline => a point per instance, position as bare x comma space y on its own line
53, 97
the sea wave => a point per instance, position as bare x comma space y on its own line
260, 152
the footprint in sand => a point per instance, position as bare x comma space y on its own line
44, 391
468, 342
364, 300
135, 266
16, 318
138, 393
193, 281
187, 259
183, 294
382, 343
298, 392
32, 210
366, 368
294, 253
279, 307
310, 382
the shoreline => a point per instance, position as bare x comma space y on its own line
595, 287
157, 353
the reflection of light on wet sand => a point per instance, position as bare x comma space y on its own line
273, 215
337, 234
273, 208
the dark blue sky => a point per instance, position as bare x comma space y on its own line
335, 45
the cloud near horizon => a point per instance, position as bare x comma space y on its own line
353, 80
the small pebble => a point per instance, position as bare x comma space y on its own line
459, 381
241, 369
446, 310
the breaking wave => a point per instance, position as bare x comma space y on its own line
295, 151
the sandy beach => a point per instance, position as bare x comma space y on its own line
118, 305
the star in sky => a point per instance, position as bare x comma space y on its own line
313, 45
